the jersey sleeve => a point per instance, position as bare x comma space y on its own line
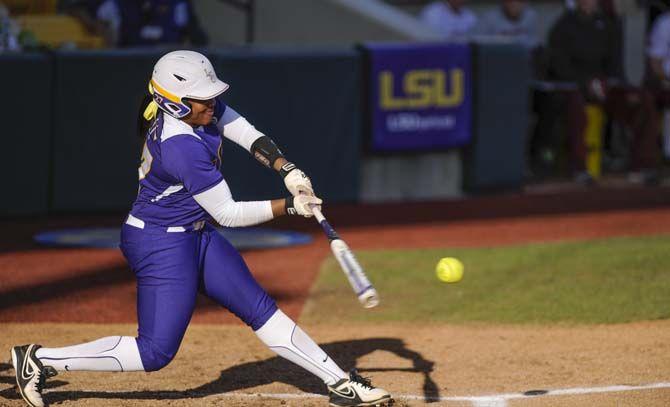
237, 129
186, 158
219, 109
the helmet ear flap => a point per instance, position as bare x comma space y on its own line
172, 107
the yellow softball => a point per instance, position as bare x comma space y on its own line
449, 270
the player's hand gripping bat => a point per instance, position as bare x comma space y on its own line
366, 293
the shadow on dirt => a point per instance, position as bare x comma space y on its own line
103, 280
252, 374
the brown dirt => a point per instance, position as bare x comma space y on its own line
435, 360
74, 285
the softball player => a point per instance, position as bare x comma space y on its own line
175, 252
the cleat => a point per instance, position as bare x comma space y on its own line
31, 375
357, 391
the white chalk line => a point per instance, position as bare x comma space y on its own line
493, 400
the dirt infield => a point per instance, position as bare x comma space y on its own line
449, 365
435, 362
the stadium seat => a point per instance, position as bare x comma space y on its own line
18, 7
54, 30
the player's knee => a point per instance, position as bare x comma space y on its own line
156, 360
154, 357
264, 309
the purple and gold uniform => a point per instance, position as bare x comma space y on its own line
178, 162
171, 248
175, 253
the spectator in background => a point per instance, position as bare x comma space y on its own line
84, 11
450, 18
659, 49
151, 22
585, 47
9, 31
513, 20
658, 72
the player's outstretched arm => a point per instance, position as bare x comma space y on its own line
268, 154
237, 129
296, 205
219, 203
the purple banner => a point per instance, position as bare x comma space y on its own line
421, 96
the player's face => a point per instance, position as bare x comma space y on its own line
201, 112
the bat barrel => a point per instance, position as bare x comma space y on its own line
367, 295
369, 298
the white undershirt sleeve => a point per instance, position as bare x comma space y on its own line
219, 203
237, 129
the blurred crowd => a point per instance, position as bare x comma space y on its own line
587, 117
116, 23
585, 109
129, 23
514, 21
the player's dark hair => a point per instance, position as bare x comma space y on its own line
142, 123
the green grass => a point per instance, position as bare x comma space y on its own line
599, 281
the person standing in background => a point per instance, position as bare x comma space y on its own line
450, 18
658, 73
585, 48
514, 20
9, 31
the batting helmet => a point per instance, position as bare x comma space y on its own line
184, 74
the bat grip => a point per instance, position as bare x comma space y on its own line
317, 214
327, 229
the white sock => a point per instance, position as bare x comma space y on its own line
285, 338
111, 354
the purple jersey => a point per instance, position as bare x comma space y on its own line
178, 161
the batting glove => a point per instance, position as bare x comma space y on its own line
302, 205
295, 180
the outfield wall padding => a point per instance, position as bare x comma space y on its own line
70, 123
496, 156
307, 102
26, 83
96, 150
